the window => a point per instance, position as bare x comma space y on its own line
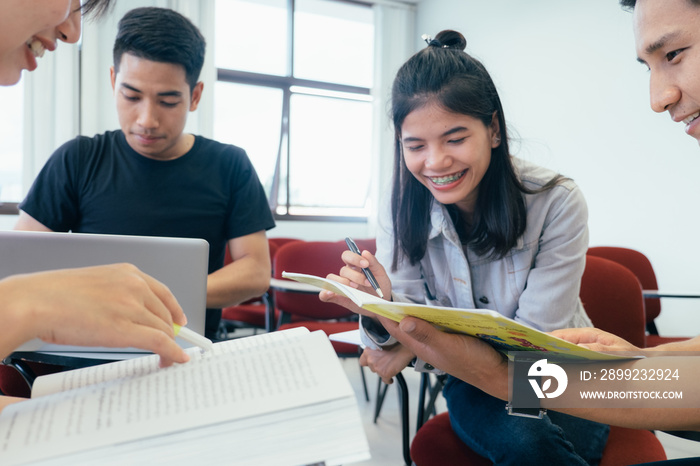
11, 135
293, 90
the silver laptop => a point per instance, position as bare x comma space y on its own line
179, 263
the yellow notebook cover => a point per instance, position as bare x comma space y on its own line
502, 333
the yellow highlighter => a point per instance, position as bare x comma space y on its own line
193, 337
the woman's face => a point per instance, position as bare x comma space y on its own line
448, 153
28, 28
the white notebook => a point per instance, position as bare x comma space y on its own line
280, 398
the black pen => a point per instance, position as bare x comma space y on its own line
368, 273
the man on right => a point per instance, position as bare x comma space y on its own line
667, 38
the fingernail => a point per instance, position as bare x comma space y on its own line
407, 326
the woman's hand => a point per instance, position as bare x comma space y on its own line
387, 362
351, 274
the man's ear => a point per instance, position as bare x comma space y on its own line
112, 76
196, 96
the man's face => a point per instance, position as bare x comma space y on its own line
667, 38
153, 100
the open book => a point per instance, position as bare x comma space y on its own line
280, 398
502, 333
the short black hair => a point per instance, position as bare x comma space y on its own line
161, 35
630, 4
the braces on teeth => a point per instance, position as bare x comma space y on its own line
36, 47
446, 179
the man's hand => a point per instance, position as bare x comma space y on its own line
461, 356
594, 339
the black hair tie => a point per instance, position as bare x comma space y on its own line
433, 42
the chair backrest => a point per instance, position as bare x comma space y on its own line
612, 297
368, 244
12, 383
436, 444
640, 265
312, 257
280, 241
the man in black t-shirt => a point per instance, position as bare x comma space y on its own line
150, 178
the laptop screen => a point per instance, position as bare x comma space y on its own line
179, 263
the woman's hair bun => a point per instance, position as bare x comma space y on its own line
451, 39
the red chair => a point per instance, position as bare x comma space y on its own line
306, 310
316, 258
367, 244
624, 447
612, 296
252, 313
281, 241
12, 383
640, 265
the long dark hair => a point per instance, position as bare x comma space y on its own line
444, 74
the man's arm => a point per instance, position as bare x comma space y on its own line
246, 277
477, 363
28, 223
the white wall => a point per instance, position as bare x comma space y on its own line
573, 91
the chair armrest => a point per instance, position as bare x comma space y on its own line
279, 284
669, 294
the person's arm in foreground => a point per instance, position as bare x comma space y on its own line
477, 363
113, 305
246, 277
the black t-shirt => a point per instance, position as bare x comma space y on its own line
101, 185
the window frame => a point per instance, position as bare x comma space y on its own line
286, 84
9, 208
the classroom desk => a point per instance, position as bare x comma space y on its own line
279, 284
70, 360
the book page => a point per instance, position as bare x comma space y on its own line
69, 380
358, 297
502, 333
330, 434
243, 379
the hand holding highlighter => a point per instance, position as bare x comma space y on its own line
193, 337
